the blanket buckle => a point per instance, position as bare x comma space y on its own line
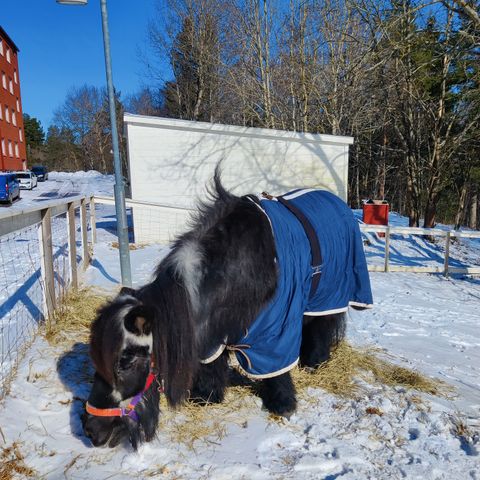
316, 270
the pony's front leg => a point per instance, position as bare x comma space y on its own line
278, 394
210, 381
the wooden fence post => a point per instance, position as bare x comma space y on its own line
72, 244
447, 254
387, 250
46, 252
83, 218
93, 220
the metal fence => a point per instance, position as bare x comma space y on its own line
154, 222
42, 250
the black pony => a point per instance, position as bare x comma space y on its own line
179, 331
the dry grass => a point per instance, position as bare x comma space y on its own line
347, 364
468, 435
12, 463
194, 423
131, 246
73, 317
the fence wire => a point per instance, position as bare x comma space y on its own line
21, 296
159, 224
78, 236
22, 289
61, 260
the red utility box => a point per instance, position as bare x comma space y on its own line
375, 212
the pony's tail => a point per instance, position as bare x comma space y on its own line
216, 190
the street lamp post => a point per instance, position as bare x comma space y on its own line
119, 189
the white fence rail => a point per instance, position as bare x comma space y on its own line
446, 269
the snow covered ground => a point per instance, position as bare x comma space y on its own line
424, 322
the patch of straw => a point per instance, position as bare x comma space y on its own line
73, 316
347, 364
12, 463
131, 246
193, 423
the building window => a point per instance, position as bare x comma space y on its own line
1, 112
18, 106
15, 78
14, 118
3, 147
7, 114
4, 80
8, 55
1, 46
20, 135
17, 152
10, 148
10, 83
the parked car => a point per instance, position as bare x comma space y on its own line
41, 172
9, 187
27, 179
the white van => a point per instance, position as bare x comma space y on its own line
27, 179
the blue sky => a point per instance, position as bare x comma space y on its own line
61, 46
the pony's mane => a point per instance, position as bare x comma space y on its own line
218, 204
174, 346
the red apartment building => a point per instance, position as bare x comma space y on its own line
13, 153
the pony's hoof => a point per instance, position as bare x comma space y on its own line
282, 407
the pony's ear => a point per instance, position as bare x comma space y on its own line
139, 320
127, 291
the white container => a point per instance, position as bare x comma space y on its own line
172, 161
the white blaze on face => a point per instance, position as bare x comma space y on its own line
130, 338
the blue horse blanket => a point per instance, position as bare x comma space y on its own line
272, 344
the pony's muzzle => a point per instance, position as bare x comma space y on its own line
101, 432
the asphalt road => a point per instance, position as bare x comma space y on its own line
51, 189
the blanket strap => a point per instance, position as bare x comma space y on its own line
312, 239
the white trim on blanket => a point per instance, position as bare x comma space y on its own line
339, 310
265, 213
234, 363
233, 360
298, 194
214, 355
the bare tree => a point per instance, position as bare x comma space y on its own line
189, 36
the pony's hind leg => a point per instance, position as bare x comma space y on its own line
210, 381
320, 335
278, 394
